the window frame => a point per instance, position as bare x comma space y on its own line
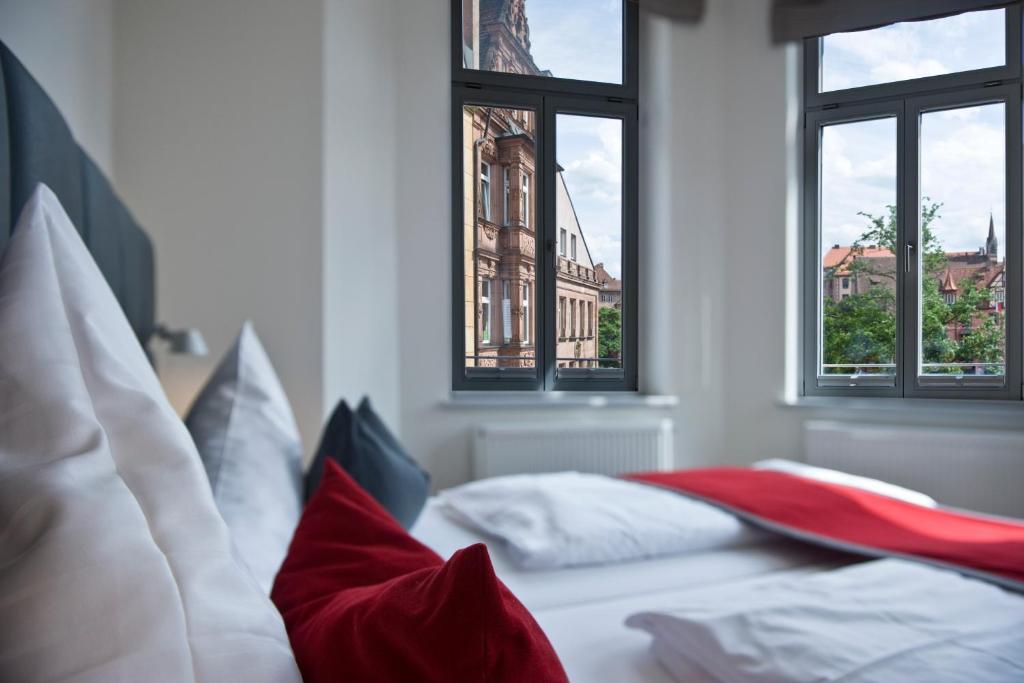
1011, 69
906, 101
629, 89
547, 98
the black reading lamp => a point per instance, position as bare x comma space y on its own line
186, 342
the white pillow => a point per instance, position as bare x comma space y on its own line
114, 564
880, 621
568, 518
882, 488
244, 428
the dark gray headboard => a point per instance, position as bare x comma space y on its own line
36, 146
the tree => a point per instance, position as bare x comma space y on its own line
861, 329
609, 337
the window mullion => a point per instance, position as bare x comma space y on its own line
908, 212
546, 237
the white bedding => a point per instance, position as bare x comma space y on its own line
878, 621
569, 519
595, 645
584, 585
583, 609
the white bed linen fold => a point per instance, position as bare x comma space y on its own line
880, 621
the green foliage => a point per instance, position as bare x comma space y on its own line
861, 329
609, 337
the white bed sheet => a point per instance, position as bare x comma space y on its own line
546, 589
583, 610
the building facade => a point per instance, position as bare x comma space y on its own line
500, 238
843, 277
611, 288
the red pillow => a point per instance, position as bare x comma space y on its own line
364, 601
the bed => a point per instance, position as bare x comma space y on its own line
788, 572
583, 610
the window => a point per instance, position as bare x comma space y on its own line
507, 189
590, 318
485, 311
561, 317
524, 210
555, 109
526, 313
506, 311
912, 209
485, 190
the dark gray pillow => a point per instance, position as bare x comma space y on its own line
363, 445
244, 429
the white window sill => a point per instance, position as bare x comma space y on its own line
907, 407
556, 399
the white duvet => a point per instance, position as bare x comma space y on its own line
571, 519
881, 621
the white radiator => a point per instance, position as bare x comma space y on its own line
973, 469
601, 448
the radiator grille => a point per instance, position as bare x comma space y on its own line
635, 446
972, 469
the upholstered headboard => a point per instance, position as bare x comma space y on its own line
36, 146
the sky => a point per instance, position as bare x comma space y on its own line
962, 150
582, 39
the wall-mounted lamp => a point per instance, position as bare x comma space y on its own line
188, 342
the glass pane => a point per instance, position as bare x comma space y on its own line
588, 277
963, 235
914, 49
577, 39
858, 238
499, 241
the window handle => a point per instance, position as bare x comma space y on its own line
909, 257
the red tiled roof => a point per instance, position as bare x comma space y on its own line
839, 255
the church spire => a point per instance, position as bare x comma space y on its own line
992, 244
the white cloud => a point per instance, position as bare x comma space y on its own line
914, 50
590, 150
579, 39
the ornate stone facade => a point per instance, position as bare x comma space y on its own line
500, 240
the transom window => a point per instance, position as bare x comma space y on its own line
545, 101
912, 209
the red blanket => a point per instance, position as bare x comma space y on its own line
858, 521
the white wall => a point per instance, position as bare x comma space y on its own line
255, 140
68, 46
218, 149
360, 261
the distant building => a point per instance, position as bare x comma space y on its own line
500, 215
611, 288
982, 267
